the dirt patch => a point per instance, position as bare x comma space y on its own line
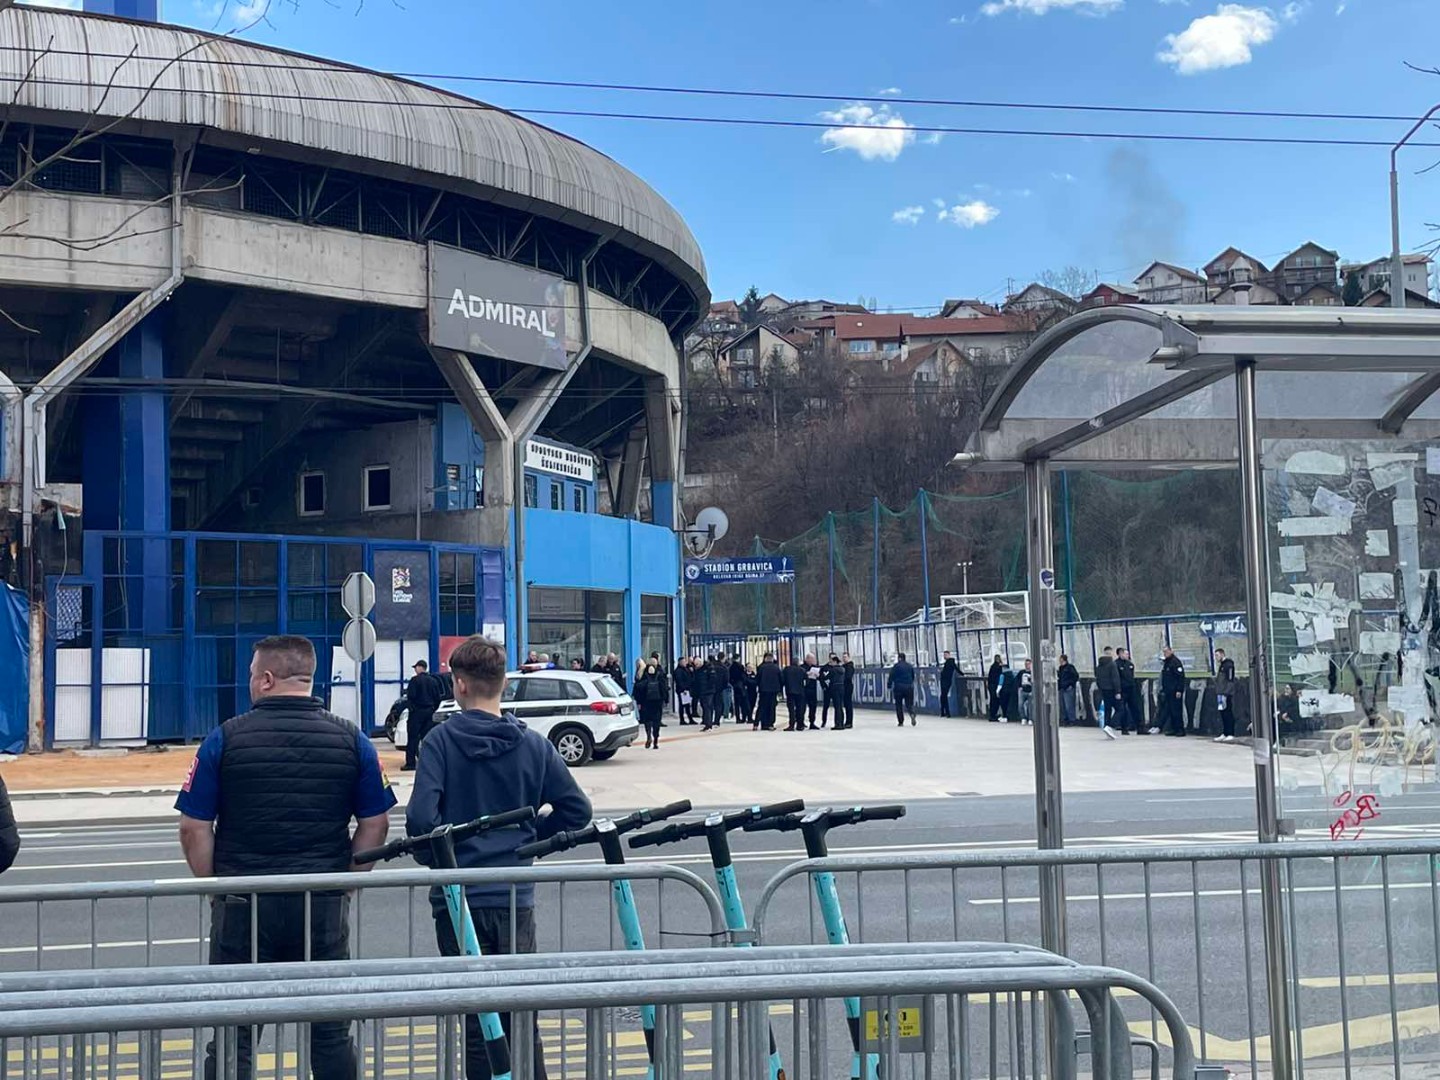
64, 770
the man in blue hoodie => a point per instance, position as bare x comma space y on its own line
481, 761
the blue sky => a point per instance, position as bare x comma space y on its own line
897, 214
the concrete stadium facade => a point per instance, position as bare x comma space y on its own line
228, 318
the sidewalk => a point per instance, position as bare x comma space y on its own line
729, 766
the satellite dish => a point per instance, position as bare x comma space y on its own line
709, 525
712, 522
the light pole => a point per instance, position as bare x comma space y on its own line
1397, 264
965, 575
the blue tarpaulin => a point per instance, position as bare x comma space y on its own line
14, 670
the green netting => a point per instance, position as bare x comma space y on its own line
1150, 547
1135, 548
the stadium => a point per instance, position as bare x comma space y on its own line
267, 320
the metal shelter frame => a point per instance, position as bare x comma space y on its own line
1128, 387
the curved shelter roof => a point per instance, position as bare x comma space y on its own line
251, 96
1131, 387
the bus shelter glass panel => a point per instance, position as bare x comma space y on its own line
1353, 550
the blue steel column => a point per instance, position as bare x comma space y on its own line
125, 469
126, 9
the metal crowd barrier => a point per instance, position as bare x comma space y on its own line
1362, 919
974, 1009
145, 920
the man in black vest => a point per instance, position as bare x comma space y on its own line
422, 697
273, 792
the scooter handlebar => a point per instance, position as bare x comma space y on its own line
735, 819
564, 841
670, 834
784, 823
881, 813
406, 844
739, 818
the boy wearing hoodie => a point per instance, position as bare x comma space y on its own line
482, 761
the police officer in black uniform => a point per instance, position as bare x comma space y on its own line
948, 671
422, 697
1132, 717
272, 792
1172, 692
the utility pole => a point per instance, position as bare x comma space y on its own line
965, 575
1397, 263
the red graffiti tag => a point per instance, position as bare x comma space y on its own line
1348, 826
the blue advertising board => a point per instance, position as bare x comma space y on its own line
751, 570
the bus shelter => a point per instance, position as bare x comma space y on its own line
1331, 417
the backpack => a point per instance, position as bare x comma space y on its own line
652, 692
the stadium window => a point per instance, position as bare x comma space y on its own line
580, 500
532, 492
312, 494
557, 496
376, 488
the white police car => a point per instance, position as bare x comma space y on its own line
584, 713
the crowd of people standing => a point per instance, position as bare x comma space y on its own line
719, 687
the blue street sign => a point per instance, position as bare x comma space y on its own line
752, 570
1234, 627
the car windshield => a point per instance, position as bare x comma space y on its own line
608, 687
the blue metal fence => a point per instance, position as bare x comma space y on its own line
150, 640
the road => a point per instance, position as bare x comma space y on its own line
1111, 920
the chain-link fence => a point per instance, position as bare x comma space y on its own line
1125, 548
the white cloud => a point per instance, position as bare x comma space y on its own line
909, 215
959, 20
1041, 7
940, 204
876, 134
890, 91
932, 138
67, 5
970, 214
1222, 40
1293, 10
1063, 177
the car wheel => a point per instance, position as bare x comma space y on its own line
603, 755
575, 745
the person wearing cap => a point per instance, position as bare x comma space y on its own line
422, 697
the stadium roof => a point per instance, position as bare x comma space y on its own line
258, 98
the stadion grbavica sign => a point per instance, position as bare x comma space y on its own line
494, 308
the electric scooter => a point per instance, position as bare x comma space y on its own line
813, 827
607, 833
716, 828
441, 845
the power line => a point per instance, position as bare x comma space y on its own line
727, 92
465, 105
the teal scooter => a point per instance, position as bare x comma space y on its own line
440, 845
813, 827
716, 828
607, 833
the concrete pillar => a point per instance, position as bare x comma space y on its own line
662, 424
632, 469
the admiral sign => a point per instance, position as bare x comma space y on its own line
494, 308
